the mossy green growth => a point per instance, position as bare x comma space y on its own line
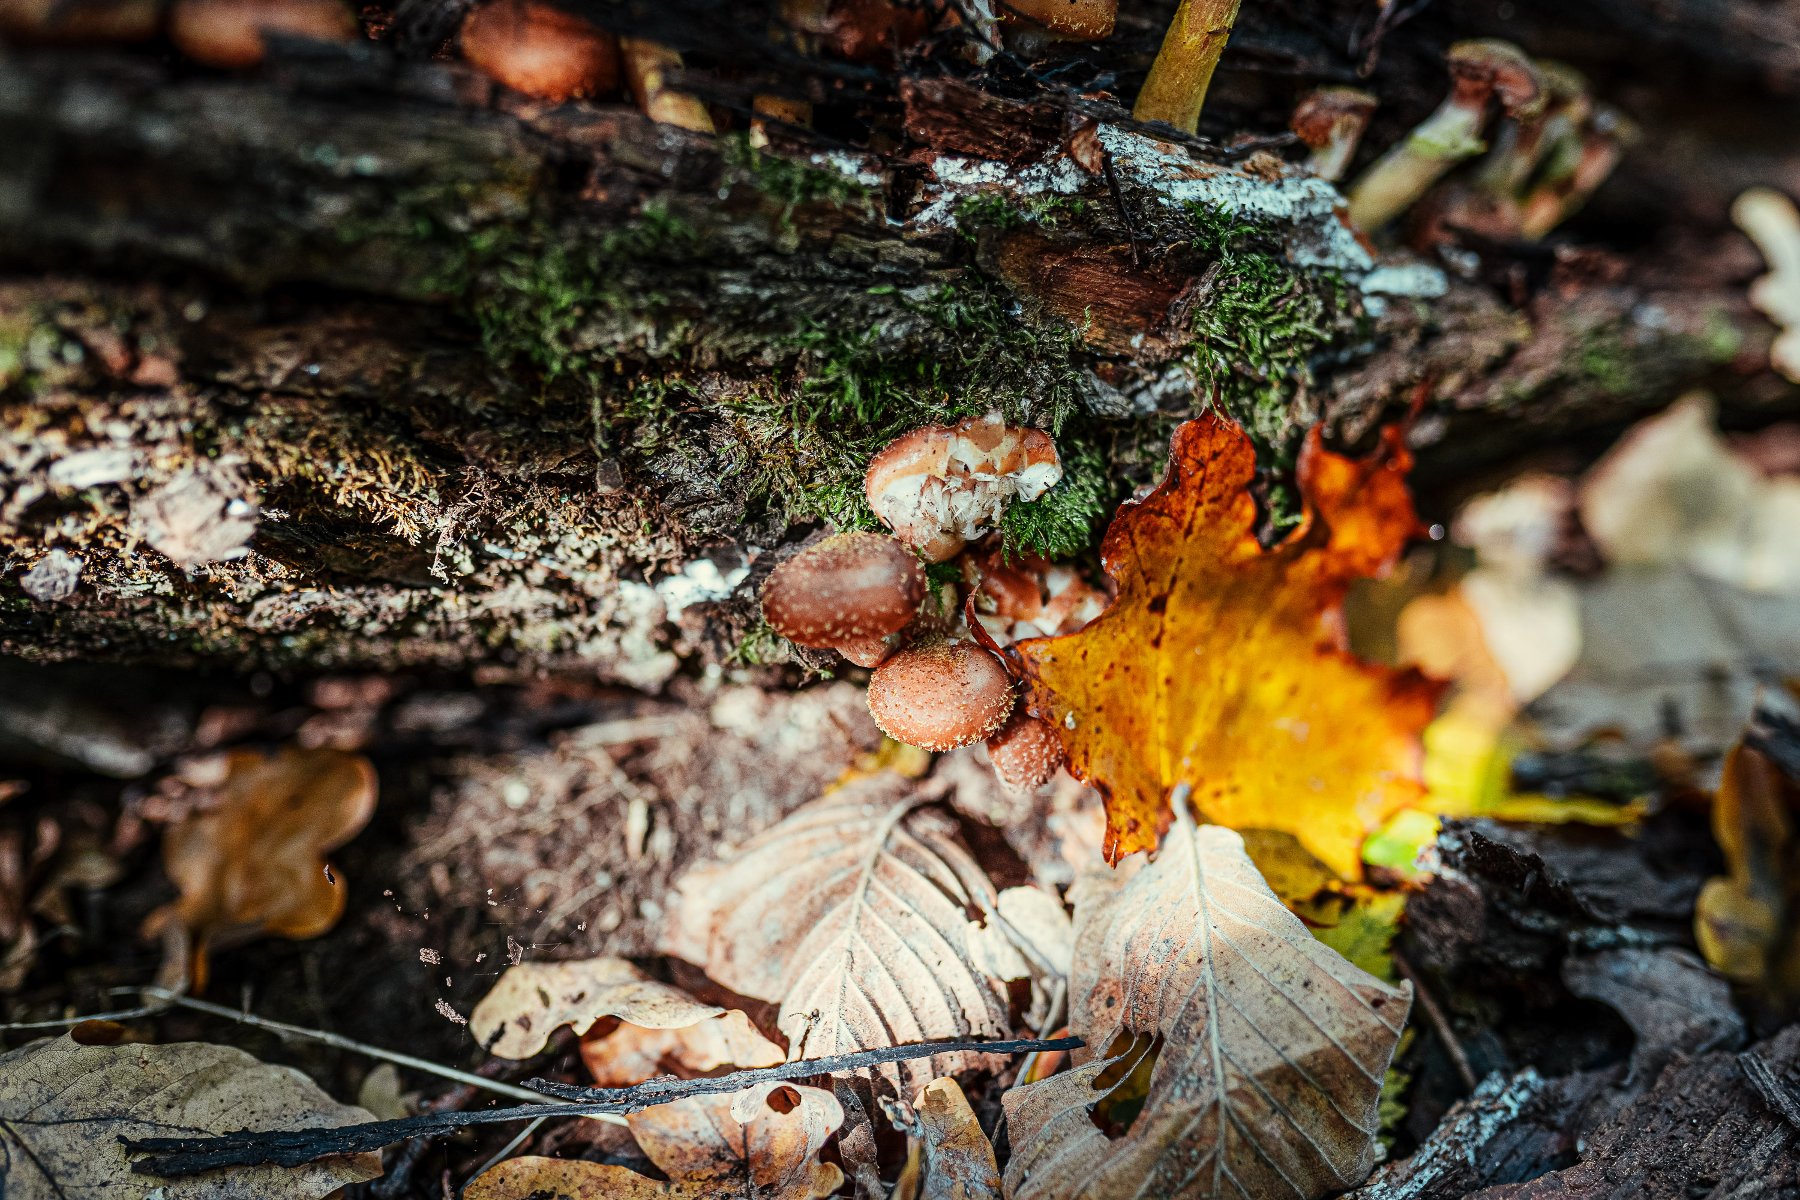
1063, 521
997, 211
855, 390
1261, 324
787, 180
531, 298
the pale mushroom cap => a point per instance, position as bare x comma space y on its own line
1026, 753
229, 33
940, 695
540, 50
940, 487
845, 589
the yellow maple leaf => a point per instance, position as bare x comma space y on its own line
1222, 664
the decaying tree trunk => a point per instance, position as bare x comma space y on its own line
361, 362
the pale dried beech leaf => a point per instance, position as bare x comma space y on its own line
854, 914
64, 1107
758, 1144
533, 999
1273, 1045
631, 1054
959, 1159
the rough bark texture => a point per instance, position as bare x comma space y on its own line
360, 361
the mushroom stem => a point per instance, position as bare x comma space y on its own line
1576, 173
1479, 72
1523, 141
647, 67
1331, 120
1175, 90
1771, 221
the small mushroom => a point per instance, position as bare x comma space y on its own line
1067, 20
940, 487
1770, 220
1175, 89
1523, 141
939, 695
85, 23
1480, 72
647, 67
847, 593
1576, 172
540, 50
1331, 120
1026, 753
229, 33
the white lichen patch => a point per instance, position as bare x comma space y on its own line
1303, 206
698, 582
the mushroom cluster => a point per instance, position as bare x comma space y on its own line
937, 682
1552, 150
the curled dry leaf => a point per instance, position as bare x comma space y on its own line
759, 1144
853, 914
959, 1159
1222, 664
631, 1053
1745, 921
64, 1108
532, 999
250, 858
1273, 1046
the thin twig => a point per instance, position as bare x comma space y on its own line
505, 1151
123, 1014
1440, 1024
172, 1157
282, 1029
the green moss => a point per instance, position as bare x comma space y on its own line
761, 647
1260, 327
997, 211
788, 181
1063, 521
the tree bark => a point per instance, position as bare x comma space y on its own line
363, 362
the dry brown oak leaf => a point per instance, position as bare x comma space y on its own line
758, 1144
1273, 1046
854, 915
646, 1022
250, 859
64, 1106
1222, 664
958, 1158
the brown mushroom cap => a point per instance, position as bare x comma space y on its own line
56, 22
229, 33
940, 695
540, 50
1026, 752
867, 652
1078, 20
846, 588
1326, 114
1488, 67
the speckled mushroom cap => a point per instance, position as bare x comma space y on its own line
940, 695
845, 590
1026, 752
540, 50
